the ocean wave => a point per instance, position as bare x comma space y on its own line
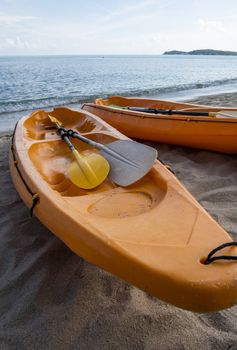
181, 87
20, 105
31, 104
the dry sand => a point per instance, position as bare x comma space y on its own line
52, 299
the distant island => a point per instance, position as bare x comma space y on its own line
201, 52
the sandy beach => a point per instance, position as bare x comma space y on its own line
52, 299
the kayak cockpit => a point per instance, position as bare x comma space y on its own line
39, 127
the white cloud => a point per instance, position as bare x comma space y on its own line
128, 18
16, 43
15, 32
10, 42
210, 26
127, 10
7, 20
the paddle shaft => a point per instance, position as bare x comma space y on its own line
170, 111
100, 147
65, 138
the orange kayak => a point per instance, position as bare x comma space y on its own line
153, 234
210, 133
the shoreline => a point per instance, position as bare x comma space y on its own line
227, 99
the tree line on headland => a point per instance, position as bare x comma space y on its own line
201, 52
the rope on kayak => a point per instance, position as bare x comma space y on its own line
210, 258
167, 166
35, 196
35, 200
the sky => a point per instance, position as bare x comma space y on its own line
46, 27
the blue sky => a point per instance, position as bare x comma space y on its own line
116, 27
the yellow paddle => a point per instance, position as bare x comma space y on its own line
86, 172
129, 160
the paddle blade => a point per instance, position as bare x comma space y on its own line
88, 172
129, 161
227, 114
54, 120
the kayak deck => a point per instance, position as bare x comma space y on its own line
153, 233
216, 134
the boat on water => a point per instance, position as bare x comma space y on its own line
153, 233
216, 132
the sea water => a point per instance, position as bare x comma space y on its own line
30, 83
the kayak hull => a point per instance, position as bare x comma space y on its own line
152, 234
209, 133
